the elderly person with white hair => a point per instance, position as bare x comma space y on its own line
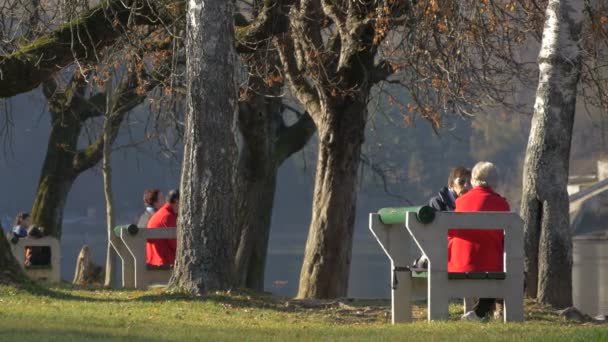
475, 250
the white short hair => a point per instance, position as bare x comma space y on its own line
484, 174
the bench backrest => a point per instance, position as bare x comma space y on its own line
52, 273
136, 245
432, 239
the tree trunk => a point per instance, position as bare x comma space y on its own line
86, 272
207, 227
545, 206
327, 256
57, 175
10, 271
268, 143
260, 122
106, 169
258, 200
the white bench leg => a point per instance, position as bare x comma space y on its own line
127, 263
513, 307
438, 298
401, 296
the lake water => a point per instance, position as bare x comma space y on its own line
369, 277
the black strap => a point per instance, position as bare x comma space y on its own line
395, 270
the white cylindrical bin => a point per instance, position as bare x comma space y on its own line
590, 273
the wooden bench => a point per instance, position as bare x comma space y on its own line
136, 273
431, 238
50, 272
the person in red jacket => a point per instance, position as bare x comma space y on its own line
476, 250
160, 252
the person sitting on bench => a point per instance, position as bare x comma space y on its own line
22, 222
153, 200
161, 252
459, 182
472, 250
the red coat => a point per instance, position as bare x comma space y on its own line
476, 250
162, 251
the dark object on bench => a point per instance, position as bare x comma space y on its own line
477, 275
422, 273
131, 228
36, 232
424, 214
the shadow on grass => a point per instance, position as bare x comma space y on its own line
247, 299
55, 334
237, 299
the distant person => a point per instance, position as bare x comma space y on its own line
153, 200
160, 252
37, 255
22, 222
472, 250
459, 182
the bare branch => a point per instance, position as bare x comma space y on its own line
25, 69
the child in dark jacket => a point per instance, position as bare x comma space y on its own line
22, 223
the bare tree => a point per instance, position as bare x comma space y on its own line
70, 109
445, 54
36, 51
24, 68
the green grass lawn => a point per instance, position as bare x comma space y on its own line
59, 314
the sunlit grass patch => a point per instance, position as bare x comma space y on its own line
41, 314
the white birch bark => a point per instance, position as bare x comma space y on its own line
544, 197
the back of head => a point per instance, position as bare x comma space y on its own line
21, 217
173, 196
484, 174
459, 172
151, 196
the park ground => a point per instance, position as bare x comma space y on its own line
34, 313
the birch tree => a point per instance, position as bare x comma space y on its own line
545, 205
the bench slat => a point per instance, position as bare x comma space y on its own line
465, 275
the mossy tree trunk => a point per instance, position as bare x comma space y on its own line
64, 162
10, 271
58, 173
26, 68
